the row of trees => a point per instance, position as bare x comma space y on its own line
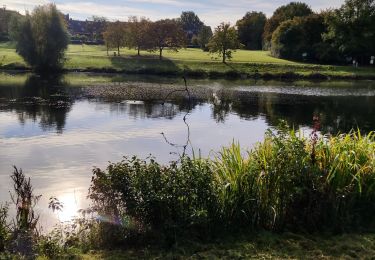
294, 31
143, 34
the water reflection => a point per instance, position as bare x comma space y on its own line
47, 102
42, 100
337, 113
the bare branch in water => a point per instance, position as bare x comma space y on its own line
186, 144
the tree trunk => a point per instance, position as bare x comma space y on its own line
160, 53
118, 50
139, 54
107, 50
224, 52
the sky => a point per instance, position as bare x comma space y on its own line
211, 12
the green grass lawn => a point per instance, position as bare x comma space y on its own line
88, 57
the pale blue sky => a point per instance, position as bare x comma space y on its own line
212, 12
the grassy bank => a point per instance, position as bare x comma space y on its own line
191, 62
262, 245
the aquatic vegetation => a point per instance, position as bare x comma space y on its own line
286, 182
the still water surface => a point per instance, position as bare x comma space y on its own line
57, 142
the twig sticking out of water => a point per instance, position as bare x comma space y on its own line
186, 144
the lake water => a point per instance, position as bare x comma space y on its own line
57, 135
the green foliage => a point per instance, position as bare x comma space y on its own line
287, 182
204, 37
166, 33
299, 39
351, 29
4, 227
42, 38
167, 199
224, 41
191, 24
284, 13
250, 30
6, 19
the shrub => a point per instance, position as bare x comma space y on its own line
166, 199
286, 182
41, 38
4, 228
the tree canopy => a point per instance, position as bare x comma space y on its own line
138, 33
41, 38
191, 24
115, 35
250, 30
166, 33
224, 41
204, 37
351, 29
299, 38
283, 13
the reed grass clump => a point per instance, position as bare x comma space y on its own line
287, 182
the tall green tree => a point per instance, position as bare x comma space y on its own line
42, 38
351, 29
250, 30
166, 34
281, 14
191, 24
204, 37
224, 41
299, 38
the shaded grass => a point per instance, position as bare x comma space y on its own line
263, 245
193, 62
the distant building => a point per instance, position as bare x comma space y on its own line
75, 26
83, 31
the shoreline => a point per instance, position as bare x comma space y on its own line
203, 74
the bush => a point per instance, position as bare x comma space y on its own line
287, 182
166, 199
41, 38
4, 228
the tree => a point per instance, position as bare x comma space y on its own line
96, 27
115, 35
250, 30
204, 37
166, 34
138, 33
224, 41
6, 16
299, 38
351, 29
42, 38
283, 13
191, 24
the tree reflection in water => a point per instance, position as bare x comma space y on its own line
48, 101
42, 100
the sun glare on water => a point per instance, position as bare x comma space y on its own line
71, 206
